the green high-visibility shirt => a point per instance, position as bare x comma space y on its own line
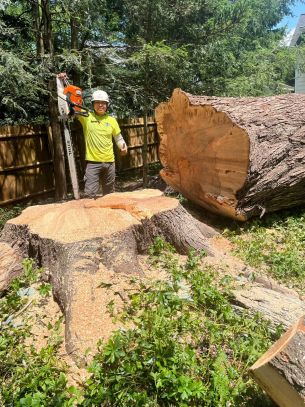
98, 133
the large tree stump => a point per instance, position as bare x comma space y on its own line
281, 370
240, 157
81, 242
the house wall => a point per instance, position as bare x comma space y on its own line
299, 86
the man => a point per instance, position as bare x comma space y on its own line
99, 130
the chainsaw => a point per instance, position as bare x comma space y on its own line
70, 103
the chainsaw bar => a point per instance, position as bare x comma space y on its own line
64, 111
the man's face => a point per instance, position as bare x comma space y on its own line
100, 107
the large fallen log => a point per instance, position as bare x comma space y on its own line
240, 157
281, 370
82, 242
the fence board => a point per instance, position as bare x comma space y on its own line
133, 133
25, 162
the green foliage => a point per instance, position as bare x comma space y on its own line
186, 345
159, 68
45, 289
139, 50
275, 244
9, 213
20, 87
263, 71
28, 377
31, 56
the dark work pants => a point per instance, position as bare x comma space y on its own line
95, 172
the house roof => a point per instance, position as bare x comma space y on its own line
298, 30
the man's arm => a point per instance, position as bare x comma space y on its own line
120, 142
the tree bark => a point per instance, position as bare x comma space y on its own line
240, 157
281, 370
10, 264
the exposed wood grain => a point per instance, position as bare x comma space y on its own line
237, 156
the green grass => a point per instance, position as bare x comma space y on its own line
276, 245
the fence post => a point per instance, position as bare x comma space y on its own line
145, 150
59, 155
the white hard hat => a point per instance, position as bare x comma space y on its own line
100, 95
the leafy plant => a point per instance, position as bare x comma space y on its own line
28, 377
186, 347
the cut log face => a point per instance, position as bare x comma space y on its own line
80, 242
281, 370
236, 156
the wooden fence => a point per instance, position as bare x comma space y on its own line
26, 157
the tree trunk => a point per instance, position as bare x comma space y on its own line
36, 10
47, 28
44, 41
80, 242
74, 33
240, 157
281, 370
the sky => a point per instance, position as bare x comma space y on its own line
292, 21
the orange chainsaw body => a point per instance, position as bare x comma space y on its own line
75, 95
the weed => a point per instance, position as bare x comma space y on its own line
45, 289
